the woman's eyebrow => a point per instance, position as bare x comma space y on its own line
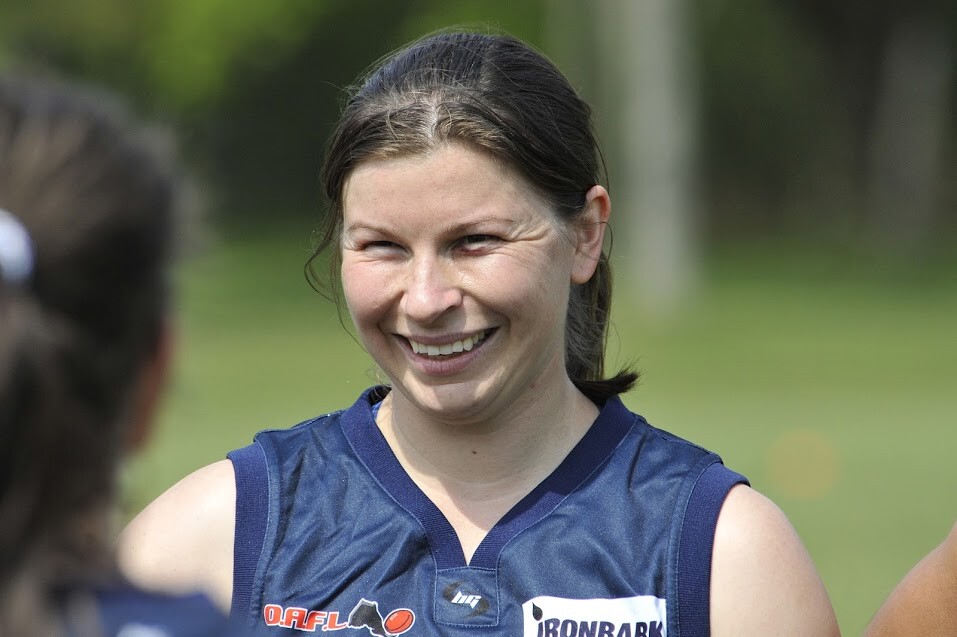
472, 224
453, 227
362, 225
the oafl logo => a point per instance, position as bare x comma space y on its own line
364, 616
642, 616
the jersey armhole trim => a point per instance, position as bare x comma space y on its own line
252, 510
695, 547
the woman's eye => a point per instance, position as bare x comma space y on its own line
380, 245
477, 240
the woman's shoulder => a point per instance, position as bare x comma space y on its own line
671, 449
674, 441
319, 426
763, 580
300, 431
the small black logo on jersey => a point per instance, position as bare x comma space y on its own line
454, 593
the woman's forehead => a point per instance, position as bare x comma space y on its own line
453, 178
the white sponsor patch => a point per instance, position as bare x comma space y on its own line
642, 616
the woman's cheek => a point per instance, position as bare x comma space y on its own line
367, 290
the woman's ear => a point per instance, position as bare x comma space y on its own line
590, 233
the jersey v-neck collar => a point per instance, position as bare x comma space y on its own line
606, 433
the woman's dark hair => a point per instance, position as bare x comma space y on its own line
497, 94
77, 323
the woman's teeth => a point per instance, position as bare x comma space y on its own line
464, 345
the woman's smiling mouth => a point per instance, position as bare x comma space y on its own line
445, 349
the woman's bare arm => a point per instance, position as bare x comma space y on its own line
183, 541
763, 581
925, 601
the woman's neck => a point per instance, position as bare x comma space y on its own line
537, 431
476, 472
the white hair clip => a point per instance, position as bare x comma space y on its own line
16, 250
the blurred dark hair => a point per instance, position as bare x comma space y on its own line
97, 201
497, 94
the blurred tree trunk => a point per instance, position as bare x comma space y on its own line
896, 64
910, 127
648, 81
633, 61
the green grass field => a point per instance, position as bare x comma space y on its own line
830, 382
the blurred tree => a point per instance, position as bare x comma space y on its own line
895, 69
186, 62
649, 79
180, 53
909, 131
634, 63
832, 118
774, 139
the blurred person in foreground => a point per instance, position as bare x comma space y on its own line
924, 602
497, 484
87, 223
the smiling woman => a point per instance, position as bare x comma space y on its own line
451, 248
497, 481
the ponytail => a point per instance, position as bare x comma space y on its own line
86, 232
586, 335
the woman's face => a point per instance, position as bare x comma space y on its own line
456, 275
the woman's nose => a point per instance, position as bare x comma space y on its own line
432, 290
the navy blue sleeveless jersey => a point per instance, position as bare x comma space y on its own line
333, 536
125, 611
